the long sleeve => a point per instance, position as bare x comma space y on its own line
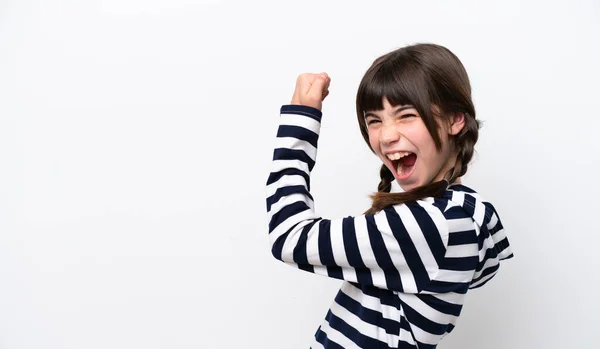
402, 248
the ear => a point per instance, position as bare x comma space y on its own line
457, 123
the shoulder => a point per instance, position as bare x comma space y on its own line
472, 204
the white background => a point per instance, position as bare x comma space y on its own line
135, 140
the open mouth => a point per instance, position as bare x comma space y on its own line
403, 163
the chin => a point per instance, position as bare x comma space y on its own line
408, 188
412, 183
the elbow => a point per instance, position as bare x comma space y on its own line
276, 254
277, 249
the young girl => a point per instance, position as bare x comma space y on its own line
409, 261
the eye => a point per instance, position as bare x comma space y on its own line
371, 121
406, 116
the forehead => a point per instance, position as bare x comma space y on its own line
388, 108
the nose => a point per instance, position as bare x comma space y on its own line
389, 134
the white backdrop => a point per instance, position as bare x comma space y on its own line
135, 140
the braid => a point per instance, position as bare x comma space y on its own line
387, 177
465, 145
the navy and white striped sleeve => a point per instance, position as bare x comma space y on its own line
400, 248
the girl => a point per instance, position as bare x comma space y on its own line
409, 261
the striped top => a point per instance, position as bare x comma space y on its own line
406, 269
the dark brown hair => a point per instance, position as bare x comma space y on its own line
422, 75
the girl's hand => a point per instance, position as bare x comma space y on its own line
311, 89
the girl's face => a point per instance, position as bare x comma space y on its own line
400, 138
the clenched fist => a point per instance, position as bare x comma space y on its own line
311, 89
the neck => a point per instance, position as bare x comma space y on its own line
445, 169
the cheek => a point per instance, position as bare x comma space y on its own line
422, 140
374, 141
432, 159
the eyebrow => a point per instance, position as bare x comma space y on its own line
397, 111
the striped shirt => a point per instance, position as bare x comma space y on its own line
407, 268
